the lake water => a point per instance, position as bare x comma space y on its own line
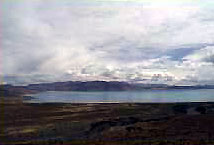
153, 96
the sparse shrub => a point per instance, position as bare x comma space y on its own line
201, 109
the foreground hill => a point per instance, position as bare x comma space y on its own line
108, 124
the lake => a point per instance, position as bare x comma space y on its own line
146, 96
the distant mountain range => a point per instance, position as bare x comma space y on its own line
9, 90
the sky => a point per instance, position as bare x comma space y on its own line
139, 41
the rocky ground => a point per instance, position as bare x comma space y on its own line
175, 123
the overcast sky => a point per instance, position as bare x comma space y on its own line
143, 41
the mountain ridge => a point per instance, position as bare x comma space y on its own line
10, 90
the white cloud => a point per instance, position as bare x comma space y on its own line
107, 40
204, 55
